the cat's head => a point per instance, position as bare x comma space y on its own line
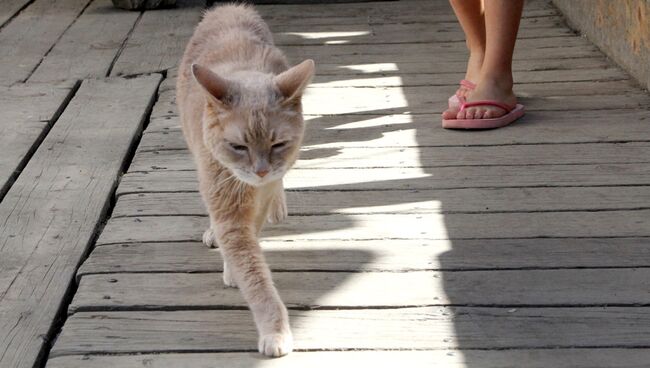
252, 122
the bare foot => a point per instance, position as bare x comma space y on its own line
488, 89
472, 74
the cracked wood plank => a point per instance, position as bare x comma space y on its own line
51, 213
468, 200
327, 132
516, 288
172, 29
28, 111
385, 255
429, 157
416, 178
428, 328
88, 48
557, 358
433, 226
32, 33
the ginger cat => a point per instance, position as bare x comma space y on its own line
241, 112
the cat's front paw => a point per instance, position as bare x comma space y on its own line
228, 279
276, 344
278, 211
209, 239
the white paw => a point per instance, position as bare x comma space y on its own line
228, 280
278, 211
209, 240
276, 344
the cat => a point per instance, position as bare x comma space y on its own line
241, 114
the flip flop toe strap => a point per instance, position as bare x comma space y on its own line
467, 84
498, 104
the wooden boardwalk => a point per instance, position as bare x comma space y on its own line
407, 245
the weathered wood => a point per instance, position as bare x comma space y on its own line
557, 358
527, 49
385, 255
368, 157
416, 178
51, 212
9, 8
368, 9
403, 130
536, 18
88, 48
428, 328
570, 224
428, 79
419, 100
132, 291
393, 33
331, 67
28, 37
173, 28
411, 201
27, 114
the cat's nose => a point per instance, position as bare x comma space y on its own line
261, 173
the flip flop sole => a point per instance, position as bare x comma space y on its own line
499, 122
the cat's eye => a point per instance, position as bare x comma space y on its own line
238, 147
279, 145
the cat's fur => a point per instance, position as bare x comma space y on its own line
241, 113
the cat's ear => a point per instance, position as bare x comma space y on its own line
215, 86
292, 83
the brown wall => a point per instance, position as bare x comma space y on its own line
621, 28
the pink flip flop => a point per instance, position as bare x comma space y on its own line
514, 113
455, 101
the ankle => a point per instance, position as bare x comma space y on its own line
501, 81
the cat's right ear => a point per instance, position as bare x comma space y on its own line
215, 86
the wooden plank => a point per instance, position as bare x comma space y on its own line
482, 200
557, 358
331, 67
395, 157
447, 79
392, 33
570, 224
133, 291
416, 178
28, 111
428, 99
30, 35
9, 8
165, 116
527, 49
50, 214
367, 9
531, 18
172, 29
428, 328
326, 132
385, 255
88, 48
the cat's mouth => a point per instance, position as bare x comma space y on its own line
256, 180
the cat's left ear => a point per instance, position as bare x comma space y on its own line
292, 83
215, 86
